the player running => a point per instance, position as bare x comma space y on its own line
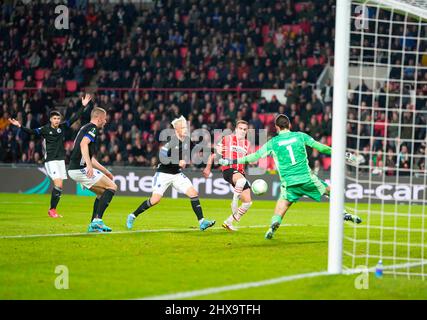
290, 157
234, 146
53, 149
170, 174
85, 169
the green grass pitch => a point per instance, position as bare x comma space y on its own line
130, 265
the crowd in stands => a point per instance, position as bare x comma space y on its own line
216, 44
388, 119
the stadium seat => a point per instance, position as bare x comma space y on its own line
58, 63
329, 140
296, 28
59, 40
254, 106
319, 118
183, 51
18, 75
39, 84
39, 74
265, 30
260, 51
326, 163
311, 61
287, 27
89, 63
178, 74
211, 74
71, 85
19, 84
300, 6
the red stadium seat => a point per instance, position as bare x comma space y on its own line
322, 60
71, 85
211, 74
178, 74
260, 51
59, 63
18, 75
326, 163
39, 84
19, 84
89, 63
287, 27
183, 51
254, 106
59, 40
319, 118
311, 61
39, 74
296, 28
265, 30
329, 140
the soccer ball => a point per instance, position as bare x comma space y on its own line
259, 187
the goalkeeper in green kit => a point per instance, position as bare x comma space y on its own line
297, 180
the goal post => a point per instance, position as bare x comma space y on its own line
339, 118
380, 115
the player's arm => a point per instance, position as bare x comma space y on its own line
101, 168
27, 130
83, 104
84, 148
262, 152
208, 168
322, 148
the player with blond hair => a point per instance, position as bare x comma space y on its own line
169, 173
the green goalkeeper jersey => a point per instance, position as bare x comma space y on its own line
290, 155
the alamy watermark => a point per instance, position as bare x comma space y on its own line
62, 20
362, 280
62, 280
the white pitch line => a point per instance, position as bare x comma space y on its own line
247, 285
24, 236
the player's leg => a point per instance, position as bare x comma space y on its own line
148, 203
246, 199
197, 208
56, 171
182, 184
105, 190
347, 215
239, 182
280, 210
161, 182
288, 195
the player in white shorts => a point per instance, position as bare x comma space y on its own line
86, 170
53, 149
169, 173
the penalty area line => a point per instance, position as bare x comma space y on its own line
272, 281
24, 236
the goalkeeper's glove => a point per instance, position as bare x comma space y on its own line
350, 157
225, 162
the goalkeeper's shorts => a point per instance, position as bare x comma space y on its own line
315, 188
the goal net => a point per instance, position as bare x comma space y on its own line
386, 129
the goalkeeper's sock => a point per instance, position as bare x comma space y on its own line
197, 208
144, 206
55, 196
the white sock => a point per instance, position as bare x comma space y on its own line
238, 188
242, 210
201, 220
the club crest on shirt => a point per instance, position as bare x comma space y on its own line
59, 130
